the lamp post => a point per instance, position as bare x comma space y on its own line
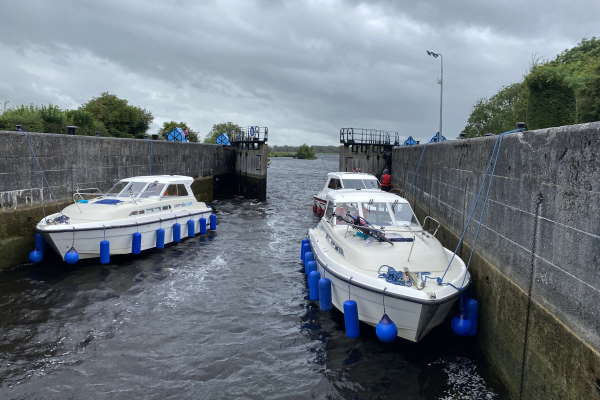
441, 81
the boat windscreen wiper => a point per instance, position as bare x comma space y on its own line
361, 224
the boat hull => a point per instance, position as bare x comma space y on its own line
413, 319
87, 241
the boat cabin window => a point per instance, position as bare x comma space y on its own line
334, 183
176, 190
152, 190
360, 183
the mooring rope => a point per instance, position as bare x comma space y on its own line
394, 277
485, 186
34, 156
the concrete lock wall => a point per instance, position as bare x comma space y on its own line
536, 269
366, 158
68, 162
251, 169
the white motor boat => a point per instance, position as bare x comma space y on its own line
372, 247
142, 204
342, 180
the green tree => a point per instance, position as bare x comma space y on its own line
306, 152
85, 122
218, 129
588, 104
54, 118
119, 118
499, 113
565, 90
28, 117
169, 126
551, 101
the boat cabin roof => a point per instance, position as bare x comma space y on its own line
363, 196
160, 179
350, 175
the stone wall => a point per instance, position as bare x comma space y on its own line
536, 269
371, 159
251, 169
63, 163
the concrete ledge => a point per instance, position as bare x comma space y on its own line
16, 231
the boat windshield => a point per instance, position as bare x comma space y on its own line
126, 189
116, 189
154, 189
133, 189
380, 213
377, 214
360, 183
403, 215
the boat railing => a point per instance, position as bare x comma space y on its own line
433, 220
82, 193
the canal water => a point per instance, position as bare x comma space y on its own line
222, 317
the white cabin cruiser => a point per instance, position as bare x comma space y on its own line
342, 180
142, 204
372, 247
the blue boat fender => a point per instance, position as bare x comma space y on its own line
325, 294
160, 238
40, 244
213, 222
472, 307
308, 256
203, 226
304, 247
71, 256
176, 232
35, 256
190, 228
465, 323
461, 325
386, 329
351, 319
104, 252
313, 285
136, 243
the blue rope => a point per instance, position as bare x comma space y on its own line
394, 277
485, 186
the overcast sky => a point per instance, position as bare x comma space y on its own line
302, 68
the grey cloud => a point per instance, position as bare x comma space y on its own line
305, 69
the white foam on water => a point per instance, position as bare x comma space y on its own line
188, 280
464, 382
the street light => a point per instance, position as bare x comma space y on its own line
441, 81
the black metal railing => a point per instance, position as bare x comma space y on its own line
369, 136
250, 134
